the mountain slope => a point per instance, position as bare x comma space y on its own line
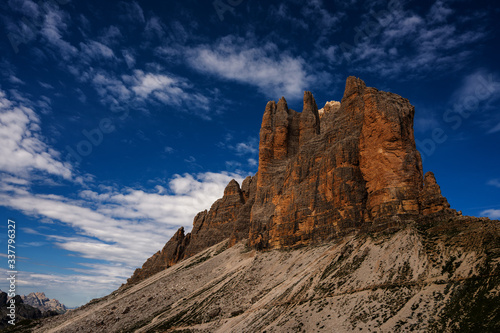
436, 276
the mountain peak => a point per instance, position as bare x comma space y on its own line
353, 167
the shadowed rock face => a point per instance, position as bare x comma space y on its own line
354, 166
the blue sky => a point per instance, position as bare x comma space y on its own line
120, 120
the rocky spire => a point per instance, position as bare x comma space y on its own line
356, 168
309, 119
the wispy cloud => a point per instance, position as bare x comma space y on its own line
141, 88
95, 50
121, 227
54, 27
494, 182
495, 129
491, 213
113, 225
478, 95
93, 60
403, 41
91, 281
23, 144
131, 11
243, 60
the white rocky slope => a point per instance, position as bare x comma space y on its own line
438, 277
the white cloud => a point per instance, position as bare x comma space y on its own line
15, 80
23, 144
26, 7
154, 27
92, 281
146, 87
95, 50
439, 12
478, 94
54, 26
111, 89
315, 11
494, 182
125, 226
111, 36
244, 61
493, 214
246, 148
45, 85
147, 83
121, 227
129, 58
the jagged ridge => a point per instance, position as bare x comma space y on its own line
353, 166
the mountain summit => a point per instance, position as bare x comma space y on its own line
354, 166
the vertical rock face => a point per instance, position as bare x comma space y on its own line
356, 165
321, 174
389, 160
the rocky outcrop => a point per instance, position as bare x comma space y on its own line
431, 199
171, 253
227, 219
356, 166
323, 173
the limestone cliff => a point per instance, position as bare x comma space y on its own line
352, 166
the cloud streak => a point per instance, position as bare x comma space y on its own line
241, 60
491, 213
397, 41
23, 147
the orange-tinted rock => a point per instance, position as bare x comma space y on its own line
357, 166
389, 160
431, 200
354, 166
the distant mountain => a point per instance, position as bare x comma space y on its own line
23, 311
43, 303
